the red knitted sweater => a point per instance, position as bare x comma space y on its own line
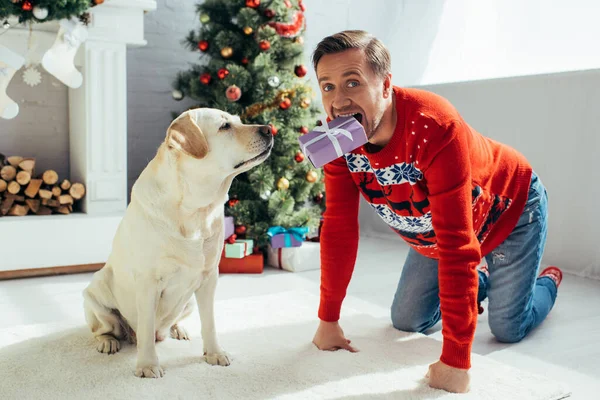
449, 192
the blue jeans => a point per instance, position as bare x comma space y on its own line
518, 300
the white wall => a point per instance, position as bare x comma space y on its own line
438, 41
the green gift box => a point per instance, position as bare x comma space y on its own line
239, 249
249, 243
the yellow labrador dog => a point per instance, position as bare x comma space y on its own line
168, 245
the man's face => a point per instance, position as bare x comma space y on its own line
350, 87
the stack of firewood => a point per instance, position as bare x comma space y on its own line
23, 192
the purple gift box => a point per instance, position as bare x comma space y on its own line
229, 227
332, 140
284, 240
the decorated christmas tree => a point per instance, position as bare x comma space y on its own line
251, 56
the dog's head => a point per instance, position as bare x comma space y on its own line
218, 140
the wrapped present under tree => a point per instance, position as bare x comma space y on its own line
290, 237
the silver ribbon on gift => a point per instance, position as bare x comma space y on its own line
331, 134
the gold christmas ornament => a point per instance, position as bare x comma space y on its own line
226, 52
305, 103
205, 18
283, 184
312, 176
248, 30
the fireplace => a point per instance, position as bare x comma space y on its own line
97, 147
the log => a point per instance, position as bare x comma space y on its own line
3, 185
2, 160
19, 199
34, 205
51, 203
18, 210
14, 160
43, 210
33, 188
23, 177
7, 203
50, 177
56, 191
14, 187
63, 210
8, 173
65, 184
28, 164
45, 194
77, 190
65, 199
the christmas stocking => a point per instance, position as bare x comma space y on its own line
10, 62
59, 59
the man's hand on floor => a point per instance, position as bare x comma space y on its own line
450, 379
329, 336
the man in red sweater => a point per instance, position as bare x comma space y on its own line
454, 195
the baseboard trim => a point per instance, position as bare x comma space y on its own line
50, 271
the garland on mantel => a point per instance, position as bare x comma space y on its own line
45, 10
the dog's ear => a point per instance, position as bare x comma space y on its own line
186, 136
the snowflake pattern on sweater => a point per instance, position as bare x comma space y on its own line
415, 229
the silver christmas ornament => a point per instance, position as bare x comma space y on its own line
40, 12
177, 95
273, 81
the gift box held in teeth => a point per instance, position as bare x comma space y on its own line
332, 140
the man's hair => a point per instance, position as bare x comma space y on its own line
377, 55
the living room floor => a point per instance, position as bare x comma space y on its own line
566, 346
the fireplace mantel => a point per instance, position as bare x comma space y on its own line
97, 143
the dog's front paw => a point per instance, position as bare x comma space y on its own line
108, 344
179, 333
219, 358
149, 371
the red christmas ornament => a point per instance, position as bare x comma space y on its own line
233, 93
205, 78
264, 45
27, 6
245, 60
273, 129
285, 104
233, 202
300, 70
269, 13
252, 3
302, 6
299, 157
240, 229
203, 45
319, 198
231, 239
288, 3
223, 73
303, 130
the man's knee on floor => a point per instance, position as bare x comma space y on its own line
408, 322
506, 332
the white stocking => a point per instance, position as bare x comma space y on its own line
59, 59
10, 62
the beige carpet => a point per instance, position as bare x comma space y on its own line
269, 339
